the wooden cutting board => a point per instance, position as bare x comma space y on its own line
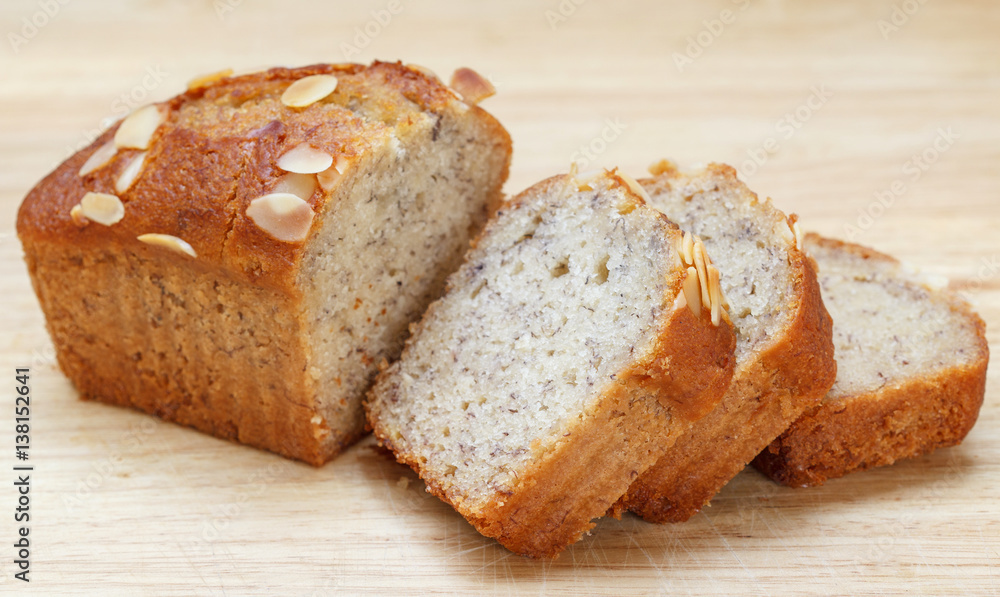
879, 120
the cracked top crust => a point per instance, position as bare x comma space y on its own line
217, 151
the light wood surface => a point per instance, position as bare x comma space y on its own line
125, 504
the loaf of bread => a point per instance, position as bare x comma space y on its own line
784, 351
911, 370
241, 257
571, 348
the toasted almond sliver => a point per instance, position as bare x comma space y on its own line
679, 251
102, 208
692, 291
715, 292
329, 177
76, 214
634, 185
308, 90
301, 185
283, 216
138, 128
583, 179
699, 263
688, 249
305, 159
131, 172
472, 86
208, 79
170, 242
99, 158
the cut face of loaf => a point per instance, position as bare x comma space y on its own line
911, 370
240, 258
784, 351
563, 360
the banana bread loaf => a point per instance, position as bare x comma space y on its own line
241, 257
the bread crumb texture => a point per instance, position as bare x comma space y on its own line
888, 324
784, 351
748, 241
911, 370
554, 300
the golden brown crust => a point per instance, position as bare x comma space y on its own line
578, 481
203, 169
217, 341
635, 421
552, 507
902, 420
788, 377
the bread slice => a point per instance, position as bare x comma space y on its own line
562, 361
911, 370
784, 351
241, 257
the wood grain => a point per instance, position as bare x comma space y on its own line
126, 504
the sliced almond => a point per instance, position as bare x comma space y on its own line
798, 236
131, 172
99, 158
283, 216
700, 265
167, 241
692, 291
583, 179
715, 293
206, 80
329, 177
76, 214
308, 90
301, 185
102, 208
473, 87
688, 249
635, 187
679, 251
305, 159
137, 130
